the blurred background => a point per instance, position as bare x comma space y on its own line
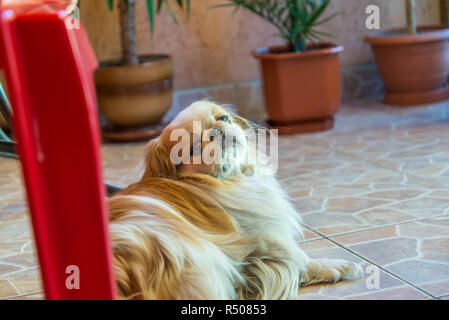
211, 48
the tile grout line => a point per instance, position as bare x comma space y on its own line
376, 164
376, 227
7, 275
327, 237
23, 295
377, 265
357, 157
394, 275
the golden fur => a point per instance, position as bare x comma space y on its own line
197, 231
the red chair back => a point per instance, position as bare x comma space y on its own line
49, 71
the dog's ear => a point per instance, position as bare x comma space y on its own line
158, 162
242, 122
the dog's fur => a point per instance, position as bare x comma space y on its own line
200, 231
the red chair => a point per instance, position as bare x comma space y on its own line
49, 72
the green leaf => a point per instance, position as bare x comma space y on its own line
172, 14
283, 35
110, 4
295, 19
150, 9
319, 11
326, 19
321, 33
159, 5
222, 5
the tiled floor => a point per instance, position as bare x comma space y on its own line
374, 190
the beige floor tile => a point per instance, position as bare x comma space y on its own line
26, 281
34, 296
7, 269
416, 251
402, 293
437, 288
367, 288
7, 289
24, 259
309, 235
336, 193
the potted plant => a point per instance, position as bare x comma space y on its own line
135, 92
413, 62
301, 79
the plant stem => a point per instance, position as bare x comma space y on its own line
411, 17
300, 44
128, 32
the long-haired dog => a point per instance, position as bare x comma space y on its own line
210, 231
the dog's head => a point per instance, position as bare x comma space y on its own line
204, 138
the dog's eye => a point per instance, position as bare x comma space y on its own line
224, 118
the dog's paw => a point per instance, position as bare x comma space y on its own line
331, 271
351, 271
343, 269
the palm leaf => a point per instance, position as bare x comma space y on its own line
326, 19
172, 14
110, 4
295, 19
150, 9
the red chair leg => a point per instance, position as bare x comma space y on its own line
49, 70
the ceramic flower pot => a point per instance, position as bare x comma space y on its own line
135, 96
414, 68
302, 90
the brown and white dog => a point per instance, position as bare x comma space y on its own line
211, 231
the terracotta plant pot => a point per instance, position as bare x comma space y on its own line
414, 68
302, 90
133, 96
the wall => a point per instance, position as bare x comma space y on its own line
213, 47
